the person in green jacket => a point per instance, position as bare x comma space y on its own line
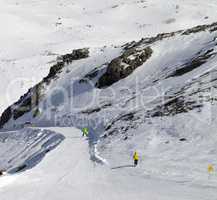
85, 132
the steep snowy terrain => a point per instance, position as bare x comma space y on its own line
141, 75
21, 150
34, 32
156, 96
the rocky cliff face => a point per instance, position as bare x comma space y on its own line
124, 65
131, 56
29, 101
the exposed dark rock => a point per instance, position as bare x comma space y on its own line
90, 76
127, 117
27, 102
193, 64
66, 59
95, 110
108, 126
76, 54
54, 70
130, 122
151, 40
22, 109
200, 28
112, 132
213, 29
125, 138
36, 113
182, 139
175, 106
192, 96
20, 168
90, 111
6, 116
30, 100
147, 41
123, 66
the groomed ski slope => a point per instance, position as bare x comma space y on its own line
67, 173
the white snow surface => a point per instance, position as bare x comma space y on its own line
168, 168
26, 147
34, 32
67, 172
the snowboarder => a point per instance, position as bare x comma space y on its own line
135, 158
85, 132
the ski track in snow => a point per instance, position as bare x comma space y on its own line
67, 172
34, 33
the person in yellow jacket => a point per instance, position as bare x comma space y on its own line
136, 158
210, 169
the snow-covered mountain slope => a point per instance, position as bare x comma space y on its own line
67, 172
21, 150
157, 76
34, 32
156, 95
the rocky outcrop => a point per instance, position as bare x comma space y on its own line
210, 27
66, 59
6, 116
193, 64
76, 54
150, 40
27, 102
175, 106
132, 58
31, 99
134, 55
124, 65
122, 123
192, 96
96, 109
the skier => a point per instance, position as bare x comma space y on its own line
210, 169
85, 132
135, 158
